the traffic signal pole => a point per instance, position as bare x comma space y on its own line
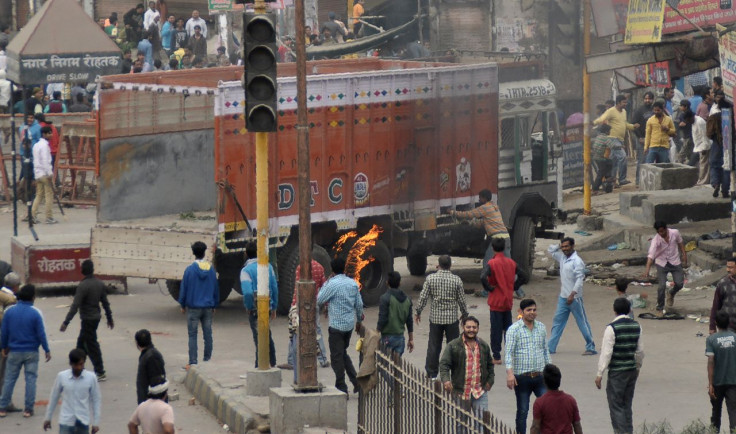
586, 110
263, 298
306, 298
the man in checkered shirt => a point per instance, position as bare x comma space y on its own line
345, 312
445, 289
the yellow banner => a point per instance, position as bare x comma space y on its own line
644, 21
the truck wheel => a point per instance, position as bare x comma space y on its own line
288, 261
226, 284
374, 276
523, 242
173, 287
416, 260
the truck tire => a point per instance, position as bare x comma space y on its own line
416, 260
523, 242
288, 261
226, 284
173, 287
374, 276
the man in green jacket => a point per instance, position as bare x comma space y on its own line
394, 315
468, 353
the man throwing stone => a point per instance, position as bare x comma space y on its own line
665, 252
572, 274
622, 355
91, 292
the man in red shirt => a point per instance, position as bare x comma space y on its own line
500, 278
555, 412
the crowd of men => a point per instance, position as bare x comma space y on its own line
688, 132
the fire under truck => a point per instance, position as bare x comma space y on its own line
394, 145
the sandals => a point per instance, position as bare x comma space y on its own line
28, 413
3, 413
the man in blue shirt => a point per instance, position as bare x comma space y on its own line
572, 274
345, 312
78, 390
199, 295
145, 47
249, 285
21, 333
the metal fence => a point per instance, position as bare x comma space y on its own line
406, 401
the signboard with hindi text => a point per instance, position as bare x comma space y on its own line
77, 68
727, 54
644, 21
572, 157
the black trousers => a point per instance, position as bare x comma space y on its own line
339, 342
87, 341
436, 332
727, 392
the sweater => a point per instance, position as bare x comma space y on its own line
627, 333
151, 371
498, 279
199, 288
90, 293
249, 285
22, 329
394, 312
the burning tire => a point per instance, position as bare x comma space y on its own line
374, 276
523, 242
288, 261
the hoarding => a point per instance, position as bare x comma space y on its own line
653, 74
644, 21
573, 167
727, 54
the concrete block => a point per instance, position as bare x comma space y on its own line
290, 410
590, 222
259, 381
667, 176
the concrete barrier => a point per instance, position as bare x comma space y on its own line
667, 176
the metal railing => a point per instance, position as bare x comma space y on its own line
406, 401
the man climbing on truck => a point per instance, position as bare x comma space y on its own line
488, 216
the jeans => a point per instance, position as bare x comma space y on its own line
321, 355
727, 392
29, 362
604, 171
620, 395
500, 322
686, 152
618, 160
195, 316
478, 406
253, 319
525, 386
678, 276
77, 428
394, 343
87, 341
44, 192
658, 154
436, 331
562, 314
339, 342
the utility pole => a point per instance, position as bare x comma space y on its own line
306, 298
586, 110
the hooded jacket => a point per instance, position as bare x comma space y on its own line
394, 312
199, 288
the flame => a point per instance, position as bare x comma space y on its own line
343, 239
356, 261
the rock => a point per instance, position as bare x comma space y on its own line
173, 396
589, 222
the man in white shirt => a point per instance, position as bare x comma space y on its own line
196, 21
43, 172
701, 147
4, 94
149, 16
79, 393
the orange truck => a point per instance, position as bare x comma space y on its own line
394, 145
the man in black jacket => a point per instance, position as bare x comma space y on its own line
90, 293
150, 365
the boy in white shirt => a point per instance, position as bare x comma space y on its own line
43, 172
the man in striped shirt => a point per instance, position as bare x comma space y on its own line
345, 312
621, 354
445, 289
526, 357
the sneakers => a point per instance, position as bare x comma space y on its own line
101, 377
624, 182
670, 300
590, 353
51, 221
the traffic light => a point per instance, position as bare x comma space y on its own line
260, 51
565, 28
